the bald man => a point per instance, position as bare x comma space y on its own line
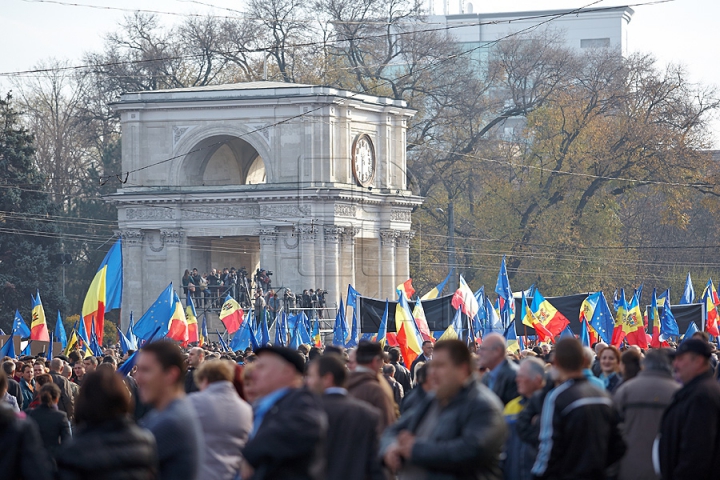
501, 373
195, 357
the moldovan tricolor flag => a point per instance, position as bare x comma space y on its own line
38, 327
408, 335
554, 321
529, 319
178, 327
634, 327
231, 315
105, 292
192, 323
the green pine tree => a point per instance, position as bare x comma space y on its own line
29, 239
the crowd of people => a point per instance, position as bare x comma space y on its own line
552, 412
209, 290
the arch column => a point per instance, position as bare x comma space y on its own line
132, 299
402, 255
347, 257
387, 263
332, 263
307, 236
268, 248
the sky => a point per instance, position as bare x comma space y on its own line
32, 31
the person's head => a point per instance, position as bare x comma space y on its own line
27, 372
67, 371
530, 376
196, 357
213, 371
701, 336
304, 349
56, 365
110, 361
630, 364
42, 379
388, 370
692, 358
569, 358
276, 368
74, 357
103, 397
39, 369
491, 352
325, 372
657, 360
599, 346
394, 355
369, 355
79, 370
451, 368
609, 360
314, 353
186, 274
427, 348
3, 383
160, 373
589, 357
250, 394
49, 394
9, 368
421, 376
91, 364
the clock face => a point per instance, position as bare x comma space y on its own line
363, 160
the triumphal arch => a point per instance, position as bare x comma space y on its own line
306, 181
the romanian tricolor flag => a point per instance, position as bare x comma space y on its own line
554, 321
192, 323
421, 321
654, 320
408, 335
105, 292
203, 332
710, 298
38, 327
452, 332
513, 345
407, 288
72, 343
231, 315
178, 326
529, 319
435, 292
317, 340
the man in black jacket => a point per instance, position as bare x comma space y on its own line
579, 434
500, 378
289, 428
402, 374
353, 426
689, 440
426, 356
457, 433
66, 397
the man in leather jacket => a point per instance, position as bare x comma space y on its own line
457, 433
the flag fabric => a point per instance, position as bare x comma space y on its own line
26, 350
418, 314
453, 331
382, 329
178, 326
231, 315
353, 339
465, 299
692, 328
157, 316
711, 312
437, 290
663, 298
668, 324
38, 326
94, 346
8, 349
710, 290
192, 323
128, 365
72, 343
588, 306
2, 332
281, 329
502, 287
82, 334
352, 297
264, 330
60, 335
688, 295
585, 334
513, 344
492, 323
303, 326
223, 345
49, 352
621, 311
553, 321
408, 335
340, 333
567, 333
407, 287
105, 291
203, 337
125, 344
654, 321
633, 326
20, 328
317, 340
602, 320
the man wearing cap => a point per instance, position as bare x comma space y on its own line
289, 428
688, 445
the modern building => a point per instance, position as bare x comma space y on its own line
307, 182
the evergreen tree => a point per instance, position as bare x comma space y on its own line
29, 238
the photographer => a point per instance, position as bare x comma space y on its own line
213, 291
306, 301
322, 303
314, 302
289, 301
273, 306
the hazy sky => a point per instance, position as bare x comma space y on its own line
683, 31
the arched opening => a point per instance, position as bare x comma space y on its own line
222, 160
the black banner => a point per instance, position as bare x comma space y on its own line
568, 305
439, 313
684, 314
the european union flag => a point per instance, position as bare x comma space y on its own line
19, 327
352, 297
60, 334
158, 315
602, 320
8, 350
353, 340
668, 324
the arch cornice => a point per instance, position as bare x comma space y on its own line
201, 132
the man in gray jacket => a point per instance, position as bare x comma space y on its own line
225, 418
457, 433
641, 402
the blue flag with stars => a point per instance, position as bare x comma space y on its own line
602, 320
158, 315
19, 327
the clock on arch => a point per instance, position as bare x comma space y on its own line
363, 160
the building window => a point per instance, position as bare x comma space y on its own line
594, 43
